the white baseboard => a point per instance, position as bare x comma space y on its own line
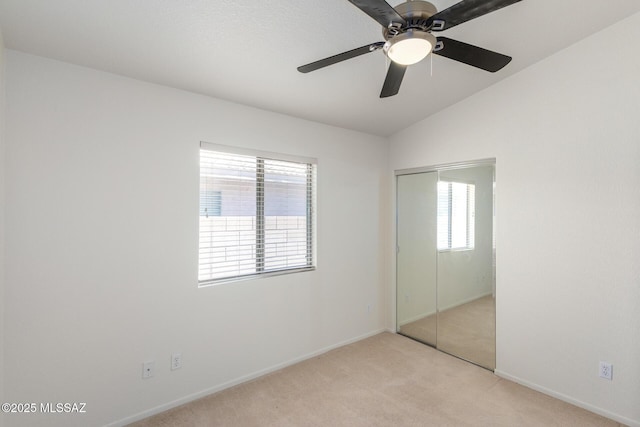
240, 380
619, 418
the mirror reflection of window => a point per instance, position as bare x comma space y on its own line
456, 215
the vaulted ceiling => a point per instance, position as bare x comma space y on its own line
247, 51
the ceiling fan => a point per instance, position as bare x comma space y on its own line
407, 30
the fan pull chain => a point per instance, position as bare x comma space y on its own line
431, 59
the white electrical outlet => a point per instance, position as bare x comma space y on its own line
176, 361
606, 370
148, 369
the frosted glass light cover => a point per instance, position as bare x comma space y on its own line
409, 51
410, 47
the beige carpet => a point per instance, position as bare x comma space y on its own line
467, 331
385, 380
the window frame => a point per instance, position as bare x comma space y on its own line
311, 203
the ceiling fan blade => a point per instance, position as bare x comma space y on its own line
465, 11
340, 57
471, 55
379, 10
393, 80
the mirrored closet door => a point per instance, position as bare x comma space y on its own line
446, 259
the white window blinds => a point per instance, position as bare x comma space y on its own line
456, 215
256, 215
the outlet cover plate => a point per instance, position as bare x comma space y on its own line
176, 361
148, 369
606, 370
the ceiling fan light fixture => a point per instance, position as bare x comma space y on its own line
410, 47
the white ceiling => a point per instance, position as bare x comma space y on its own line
248, 50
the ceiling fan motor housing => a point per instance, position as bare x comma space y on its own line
416, 13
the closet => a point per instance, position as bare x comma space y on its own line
445, 265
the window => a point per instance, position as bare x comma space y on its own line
456, 215
257, 214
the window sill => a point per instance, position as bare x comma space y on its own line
215, 282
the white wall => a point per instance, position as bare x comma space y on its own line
2, 205
566, 136
102, 218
